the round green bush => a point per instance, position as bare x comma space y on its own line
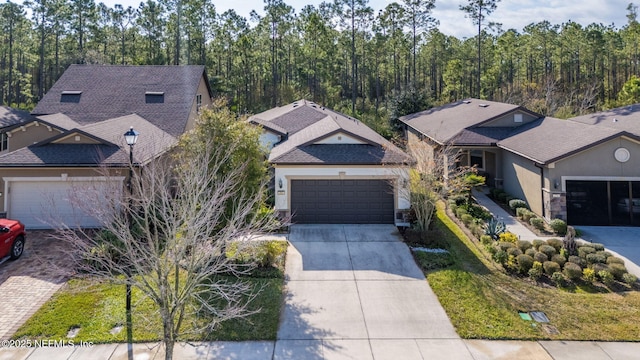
547, 250
537, 243
466, 219
597, 246
523, 245
597, 267
514, 251
525, 262
502, 197
617, 270
558, 226
583, 251
572, 271
486, 239
614, 260
517, 203
531, 252
505, 245
500, 256
606, 254
556, 243
629, 279
606, 277
559, 259
540, 257
536, 271
577, 260
528, 215
537, 223
521, 211
550, 267
596, 258
460, 211
558, 278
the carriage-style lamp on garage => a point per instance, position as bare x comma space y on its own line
280, 183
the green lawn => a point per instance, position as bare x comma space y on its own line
483, 302
96, 308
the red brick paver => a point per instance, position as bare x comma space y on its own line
27, 283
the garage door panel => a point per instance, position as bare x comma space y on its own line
342, 201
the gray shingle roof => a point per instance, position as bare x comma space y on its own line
487, 136
625, 118
308, 123
550, 139
445, 122
60, 120
11, 117
80, 155
110, 91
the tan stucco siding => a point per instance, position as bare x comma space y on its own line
599, 161
509, 120
49, 173
206, 101
29, 135
522, 180
421, 147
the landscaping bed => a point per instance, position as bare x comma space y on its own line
97, 310
483, 301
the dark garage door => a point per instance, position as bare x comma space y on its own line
603, 202
342, 202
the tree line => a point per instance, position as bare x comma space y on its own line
342, 54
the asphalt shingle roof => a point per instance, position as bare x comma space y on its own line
11, 117
65, 155
445, 122
110, 91
482, 135
307, 123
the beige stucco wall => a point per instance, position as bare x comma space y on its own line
29, 134
508, 120
51, 172
522, 180
206, 101
75, 138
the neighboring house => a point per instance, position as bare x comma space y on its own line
585, 170
77, 131
12, 122
331, 168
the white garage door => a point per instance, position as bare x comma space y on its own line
50, 204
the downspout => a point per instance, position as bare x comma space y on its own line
541, 185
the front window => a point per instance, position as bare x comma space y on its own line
198, 102
4, 141
476, 158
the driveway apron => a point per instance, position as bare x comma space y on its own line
354, 291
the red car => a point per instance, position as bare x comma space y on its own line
12, 238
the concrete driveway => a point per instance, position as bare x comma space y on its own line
624, 241
354, 292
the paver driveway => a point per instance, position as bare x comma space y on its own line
26, 283
354, 292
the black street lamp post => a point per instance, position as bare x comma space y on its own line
131, 137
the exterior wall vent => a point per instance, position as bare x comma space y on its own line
154, 97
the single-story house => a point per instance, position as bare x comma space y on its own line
585, 170
76, 133
332, 168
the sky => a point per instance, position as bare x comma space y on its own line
514, 14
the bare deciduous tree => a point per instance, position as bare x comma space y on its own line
167, 239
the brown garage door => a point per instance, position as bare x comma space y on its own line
342, 202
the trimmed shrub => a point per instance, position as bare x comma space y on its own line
547, 250
597, 246
466, 219
596, 258
536, 271
572, 271
629, 279
556, 243
508, 237
606, 277
577, 260
558, 226
523, 245
617, 270
460, 211
502, 197
561, 260
558, 278
606, 254
500, 257
583, 251
504, 245
514, 251
517, 203
528, 215
525, 262
495, 191
476, 229
537, 243
550, 267
614, 260
531, 252
540, 257
520, 211
589, 275
486, 239
597, 267
491, 249
537, 223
